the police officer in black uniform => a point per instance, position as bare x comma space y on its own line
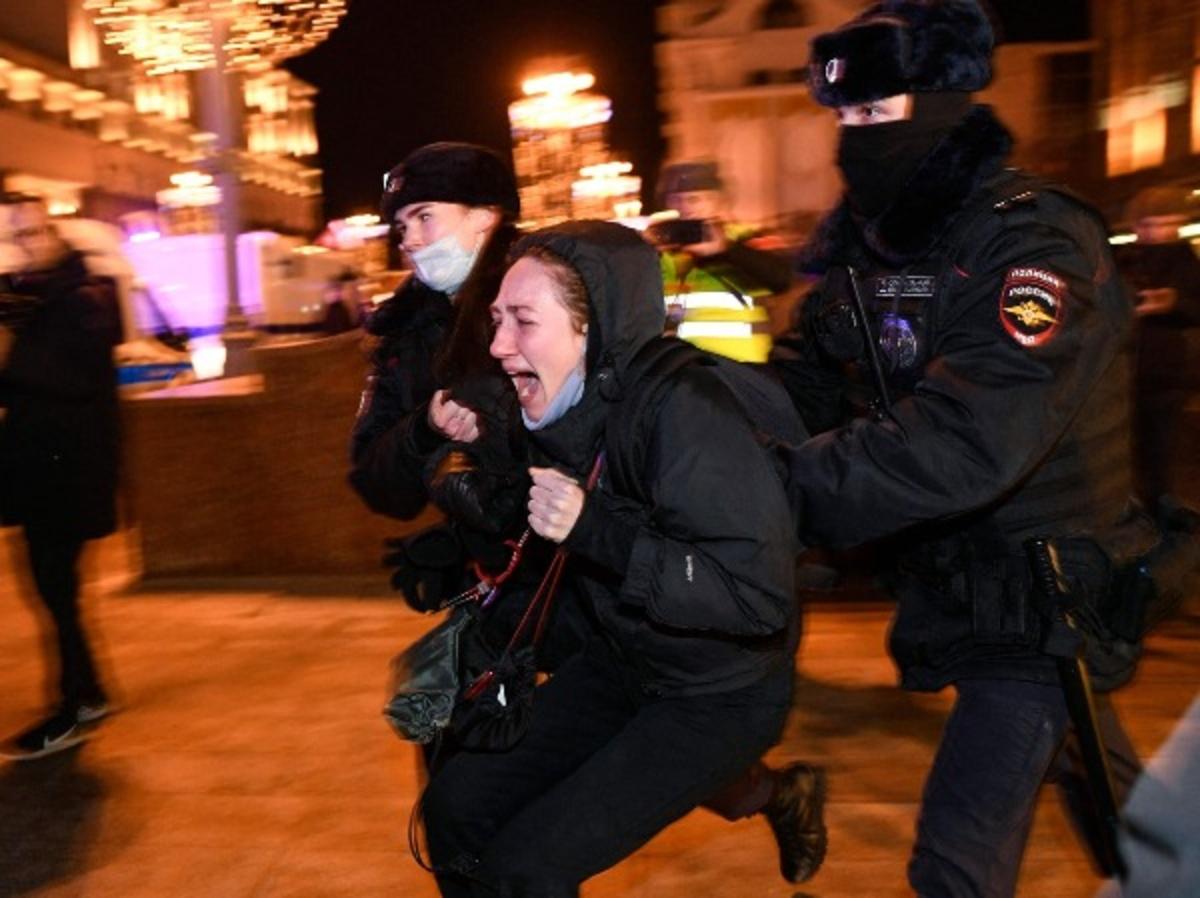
972, 316
453, 208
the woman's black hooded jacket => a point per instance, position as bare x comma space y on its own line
694, 588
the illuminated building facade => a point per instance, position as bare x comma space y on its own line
732, 89
1148, 72
1106, 115
92, 129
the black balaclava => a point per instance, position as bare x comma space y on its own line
877, 161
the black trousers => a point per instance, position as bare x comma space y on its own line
1003, 739
54, 564
601, 770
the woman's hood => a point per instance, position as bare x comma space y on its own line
626, 309
624, 286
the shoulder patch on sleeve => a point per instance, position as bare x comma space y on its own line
1031, 305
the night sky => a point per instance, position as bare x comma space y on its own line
401, 73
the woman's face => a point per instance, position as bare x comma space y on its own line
535, 340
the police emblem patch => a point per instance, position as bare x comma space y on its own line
1031, 305
898, 341
835, 70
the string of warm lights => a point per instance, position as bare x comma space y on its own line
167, 36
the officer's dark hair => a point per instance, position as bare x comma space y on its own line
465, 350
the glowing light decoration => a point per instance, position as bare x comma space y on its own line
1196, 113
191, 189
558, 83
558, 128
283, 121
550, 112
606, 190
57, 96
85, 105
114, 120
167, 96
83, 41
217, 38
177, 35
267, 91
24, 85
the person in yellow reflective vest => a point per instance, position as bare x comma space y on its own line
714, 278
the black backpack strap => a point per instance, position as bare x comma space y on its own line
648, 372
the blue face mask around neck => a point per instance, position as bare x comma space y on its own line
564, 400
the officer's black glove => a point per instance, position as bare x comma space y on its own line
483, 498
428, 567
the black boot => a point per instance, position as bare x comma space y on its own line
796, 814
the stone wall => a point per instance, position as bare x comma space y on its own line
247, 476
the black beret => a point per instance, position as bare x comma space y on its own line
450, 173
903, 46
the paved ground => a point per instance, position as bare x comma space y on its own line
250, 760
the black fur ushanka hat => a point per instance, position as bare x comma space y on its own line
903, 46
450, 172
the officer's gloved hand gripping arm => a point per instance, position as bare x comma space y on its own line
815, 384
1008, 372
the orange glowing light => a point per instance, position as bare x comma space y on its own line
178, 35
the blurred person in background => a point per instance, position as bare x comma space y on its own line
1164, 271
716, 279
341, 304
725, 257
58, 443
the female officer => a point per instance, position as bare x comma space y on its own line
685, 573
453, 207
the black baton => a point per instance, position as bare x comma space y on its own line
881, 387
1077, 689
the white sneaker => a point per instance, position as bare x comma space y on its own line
54, 734
92, 713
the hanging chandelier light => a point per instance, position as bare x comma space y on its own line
178, 35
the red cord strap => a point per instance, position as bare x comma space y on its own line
541, 602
